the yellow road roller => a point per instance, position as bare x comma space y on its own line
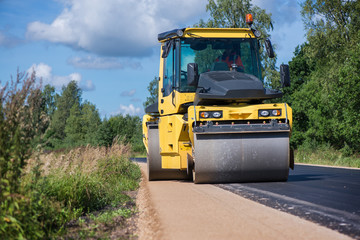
212, 122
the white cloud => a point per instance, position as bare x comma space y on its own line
128, 93
91, 62
116, 27
130, 109
44, 72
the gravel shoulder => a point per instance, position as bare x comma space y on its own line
183, 210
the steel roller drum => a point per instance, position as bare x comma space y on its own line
241, 157
155, 172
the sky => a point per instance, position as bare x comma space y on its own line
110, 47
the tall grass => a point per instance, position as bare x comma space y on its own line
326, 155
57, 187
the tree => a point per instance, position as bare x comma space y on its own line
90, 122
153, 89
326, 76
70, 95
231, 14
74, 127
125, 128
44, 112
49, 96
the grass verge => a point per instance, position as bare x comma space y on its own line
57, 188
326, 155
116, 222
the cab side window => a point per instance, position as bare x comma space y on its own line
169, 72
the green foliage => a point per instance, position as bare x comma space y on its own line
94, 190
82, 125
153, 89
76, 123
326, 78
36, 207
70, 96
107, 217
325, 155
49, 100
125, 128
73, 123
30, 216
23, 213
44, 204
19, 123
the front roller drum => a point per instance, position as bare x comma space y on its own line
241, 157
155, 172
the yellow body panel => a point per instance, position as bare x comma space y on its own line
171, 104
174, 141
238, 113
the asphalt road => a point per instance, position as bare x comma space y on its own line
325, 195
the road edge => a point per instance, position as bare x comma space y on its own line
148, 225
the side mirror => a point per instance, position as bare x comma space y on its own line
285, 75
192, 74
269, 48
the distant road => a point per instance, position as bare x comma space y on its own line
325, 195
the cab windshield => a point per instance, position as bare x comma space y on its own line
212, 54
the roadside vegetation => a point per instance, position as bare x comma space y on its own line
47, 183
72, 122
326, 84
325, 155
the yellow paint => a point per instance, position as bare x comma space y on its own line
174, 141
218, 33
238, 112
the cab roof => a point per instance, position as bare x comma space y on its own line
207, 33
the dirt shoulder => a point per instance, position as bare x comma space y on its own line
183, 210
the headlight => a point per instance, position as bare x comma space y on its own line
264, 113
204, 114
275, 113
211, 114
217, 114
270, 113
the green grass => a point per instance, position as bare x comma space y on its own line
108, 216
326, 155
94, 190
101, 224
47, 203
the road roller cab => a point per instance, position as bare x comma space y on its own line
210, 123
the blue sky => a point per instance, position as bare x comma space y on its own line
110, 47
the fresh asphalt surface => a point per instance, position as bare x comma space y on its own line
325, 195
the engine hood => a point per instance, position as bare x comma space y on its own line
231, 86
